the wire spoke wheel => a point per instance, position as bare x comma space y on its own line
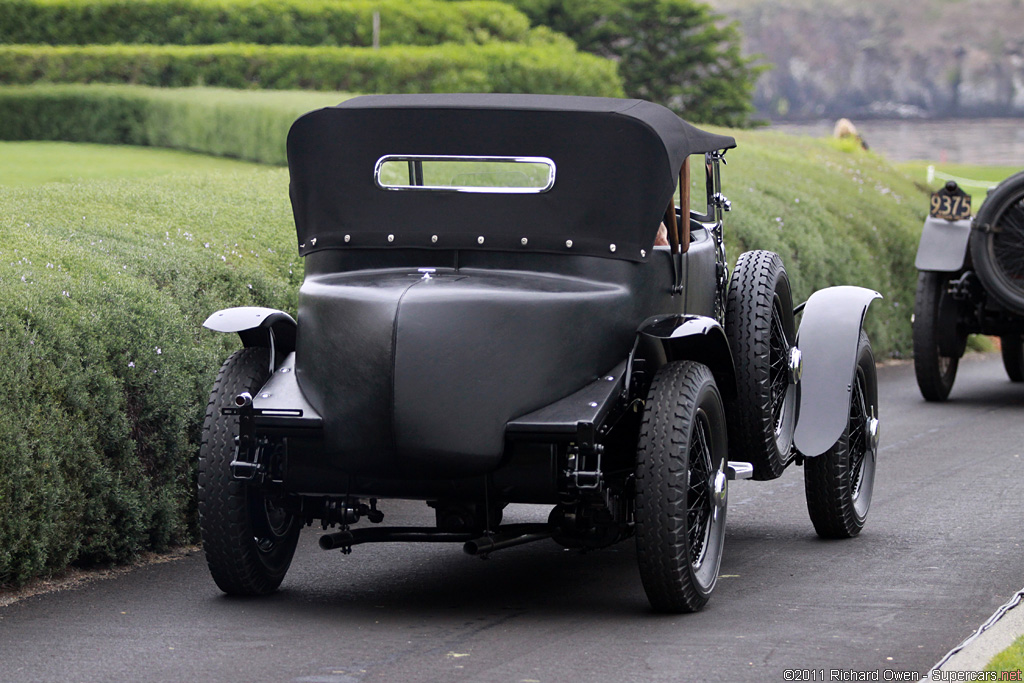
761, 329
997, 244
778, 371
1008, 245
699, 495
839, 483
681, 493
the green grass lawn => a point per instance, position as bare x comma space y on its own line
1010, 659
984, 176
35, 163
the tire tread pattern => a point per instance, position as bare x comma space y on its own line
748, 315
224, 507
933, 383
661, 500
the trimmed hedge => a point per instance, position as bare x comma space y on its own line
284, 22
106, 368
244, 124
497, 67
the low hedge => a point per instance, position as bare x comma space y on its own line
496, 67
104, 286
284, 22
837, 216
244, 124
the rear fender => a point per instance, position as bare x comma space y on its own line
943, 245
664, 339
257, 326
828, 337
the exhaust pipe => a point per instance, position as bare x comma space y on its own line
488, 544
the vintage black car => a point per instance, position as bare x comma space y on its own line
970, 281
486, 319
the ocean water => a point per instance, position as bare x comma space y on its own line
995, 142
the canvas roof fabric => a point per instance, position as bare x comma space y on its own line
617, 163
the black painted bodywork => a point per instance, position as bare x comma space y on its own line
459, 345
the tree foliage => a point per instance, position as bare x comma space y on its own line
674, 52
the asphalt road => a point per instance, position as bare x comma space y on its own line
940, 552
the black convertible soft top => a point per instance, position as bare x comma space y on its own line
617, 163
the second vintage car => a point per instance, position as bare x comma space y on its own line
970, 281
488, 317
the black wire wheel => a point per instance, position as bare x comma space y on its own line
1013, 356
937, 344
761, 329
249, 538
839, 483
997, 243
681, 492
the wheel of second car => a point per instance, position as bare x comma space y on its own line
681, 488
937, 343
1013, 356
839, 482
761, 329
249, 538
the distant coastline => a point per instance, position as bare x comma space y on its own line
996, 141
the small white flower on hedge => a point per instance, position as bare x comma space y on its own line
131, 364
158, 351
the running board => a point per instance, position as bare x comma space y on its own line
739, 470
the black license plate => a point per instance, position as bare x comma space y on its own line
953, 205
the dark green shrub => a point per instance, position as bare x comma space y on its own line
283, 22
496, 67
678, 53
244, 124
106, 368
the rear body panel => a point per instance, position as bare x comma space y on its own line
417, 374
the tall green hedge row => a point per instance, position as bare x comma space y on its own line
104, 287
495, 67
244, 124
284, 22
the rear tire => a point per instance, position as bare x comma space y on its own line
681, 488
935, 372
839, 482
761, 329
249, 540
1013, 357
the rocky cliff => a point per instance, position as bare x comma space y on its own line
885, 58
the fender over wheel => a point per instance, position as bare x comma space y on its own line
1013, 357
839, 482
937, 343
681, 492
248, 538
761, 330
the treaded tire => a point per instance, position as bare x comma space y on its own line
1013, 357
998, 256
248, 542
838, 483
761, 329
935, 372
680, 488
